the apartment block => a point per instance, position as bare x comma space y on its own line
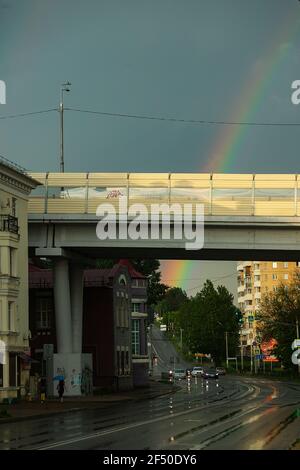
255, 279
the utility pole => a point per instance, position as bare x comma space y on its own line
181, 330
64, 87
151, 349
242, 355
297, 337
226, 340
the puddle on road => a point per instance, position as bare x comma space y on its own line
203, 426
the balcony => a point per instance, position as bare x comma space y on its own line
241, 288
257, 283
248, 296
257, 295
9, 223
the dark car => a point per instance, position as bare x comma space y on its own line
210, 374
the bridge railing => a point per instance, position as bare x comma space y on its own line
221, 194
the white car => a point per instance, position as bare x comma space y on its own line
197, 371
179, 374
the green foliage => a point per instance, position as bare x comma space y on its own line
204, 319
277, 319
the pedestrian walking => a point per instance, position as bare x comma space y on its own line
61, 390
43, 389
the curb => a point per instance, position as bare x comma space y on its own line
71, 410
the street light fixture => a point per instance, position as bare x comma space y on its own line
65, 87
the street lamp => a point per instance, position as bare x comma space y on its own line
65, 87
181, 330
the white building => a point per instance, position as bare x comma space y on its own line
15, 186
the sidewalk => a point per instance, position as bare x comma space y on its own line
33, 410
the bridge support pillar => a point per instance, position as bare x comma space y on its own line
76, 278
62, 303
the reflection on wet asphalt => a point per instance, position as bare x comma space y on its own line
228, 413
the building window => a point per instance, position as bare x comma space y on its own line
285, 277
256, 266
256, 278
274, 277
122, 362
12, 370
11, 316
274, 265
43, 313
135, 337
138, 283
118, 362
127, 362
13, 207
137, 307
285, 264
12, 262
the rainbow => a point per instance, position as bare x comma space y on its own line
224, 152
178, 272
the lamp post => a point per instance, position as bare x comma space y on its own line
181, 330
65, 87
226, 340
297, 337
242, 355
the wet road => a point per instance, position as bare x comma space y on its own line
229, 413
167, 356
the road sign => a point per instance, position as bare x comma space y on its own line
259, 356
270, 359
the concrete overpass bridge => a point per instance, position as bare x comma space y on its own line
247, 217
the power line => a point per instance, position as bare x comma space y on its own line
197, 278
160, 118
212, 280
12, 116
186, 121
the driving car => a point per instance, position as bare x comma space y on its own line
210, 374
221, 370
179, 374
197, 371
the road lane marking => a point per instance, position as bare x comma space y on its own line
132, 426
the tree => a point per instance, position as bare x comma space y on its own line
277, 318
168, 307
206, 318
